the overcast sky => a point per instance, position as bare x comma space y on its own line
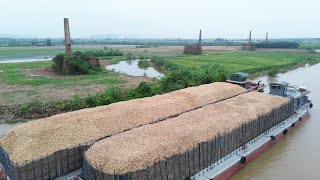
162, 18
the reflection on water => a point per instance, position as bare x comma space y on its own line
4, 128
131, 68
297, 155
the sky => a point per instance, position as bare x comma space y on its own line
162, 18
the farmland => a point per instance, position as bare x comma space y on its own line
245, 61
41, 52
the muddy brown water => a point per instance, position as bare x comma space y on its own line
297, 156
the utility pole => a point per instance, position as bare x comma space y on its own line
67, 38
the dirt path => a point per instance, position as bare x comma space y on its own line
45, 72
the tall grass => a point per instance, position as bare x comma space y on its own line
310, 45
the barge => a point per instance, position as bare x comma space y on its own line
239, 158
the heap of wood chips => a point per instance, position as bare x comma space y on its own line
141, 147
46, 136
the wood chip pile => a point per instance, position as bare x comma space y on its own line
43, 137
141, 147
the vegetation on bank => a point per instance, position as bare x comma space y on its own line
310, 45
172, 80
183, 77
143, 64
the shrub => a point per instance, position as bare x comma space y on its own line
76, 63
105, 52
164, 64
183, 78
143, 46
143, 64
214, 73
289, 45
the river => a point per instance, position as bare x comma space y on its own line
24, 60
4, 128
298, 154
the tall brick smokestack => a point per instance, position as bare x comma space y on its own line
250, 38
200, 38
67, 36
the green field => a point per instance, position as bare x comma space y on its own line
29, 52
243, 60
13, 74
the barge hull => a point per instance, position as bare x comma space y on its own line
230, 164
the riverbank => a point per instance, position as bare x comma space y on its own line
174, 79
25, 85
34, 81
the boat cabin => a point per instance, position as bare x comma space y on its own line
279, 89
298, 94
239, 78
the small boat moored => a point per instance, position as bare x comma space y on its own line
241, 79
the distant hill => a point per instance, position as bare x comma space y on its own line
16, 36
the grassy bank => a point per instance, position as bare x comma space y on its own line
28, 82
252, 62
174, 79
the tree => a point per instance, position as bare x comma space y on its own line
49, 42
34, 42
